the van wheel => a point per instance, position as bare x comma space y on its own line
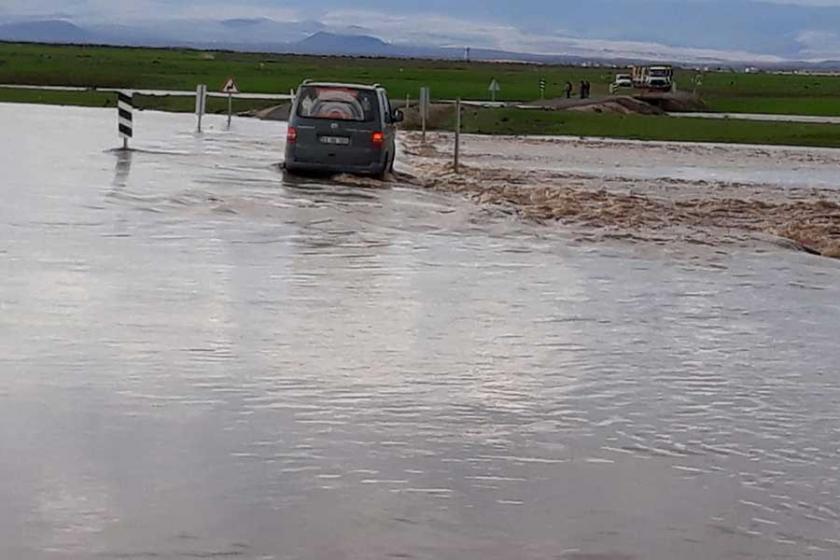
383, 174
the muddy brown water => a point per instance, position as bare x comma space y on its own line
200, 360
651, 192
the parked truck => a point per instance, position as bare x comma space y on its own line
653, 77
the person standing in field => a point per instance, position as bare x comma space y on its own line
568, 90
583, 89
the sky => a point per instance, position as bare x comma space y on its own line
766, 29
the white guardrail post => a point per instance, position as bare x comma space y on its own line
425, 102
458, 135
200, 103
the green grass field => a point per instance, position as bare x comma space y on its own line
272, 73
769, 93
183, 69
269, 73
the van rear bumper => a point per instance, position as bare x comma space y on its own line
317, 159
374, 168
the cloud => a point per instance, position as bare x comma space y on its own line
819, 45
813, 3
734, 30
110, 11
457, 32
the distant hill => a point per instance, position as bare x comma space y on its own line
46, 31
243, 23
332, 43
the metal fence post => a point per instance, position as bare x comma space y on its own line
458, 135
200, 103
425, 102
230, 109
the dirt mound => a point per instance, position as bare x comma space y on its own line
276, 113
439, 114
681, 102
619, 105
644, 104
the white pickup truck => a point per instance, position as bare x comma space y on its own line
623, 81
653, 77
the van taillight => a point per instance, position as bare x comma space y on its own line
291, 135
377, 139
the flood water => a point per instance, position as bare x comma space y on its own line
781, 166
198, 360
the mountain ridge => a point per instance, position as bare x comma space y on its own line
315, 38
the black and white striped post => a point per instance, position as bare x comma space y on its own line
125, 107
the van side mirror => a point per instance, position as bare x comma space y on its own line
398, 116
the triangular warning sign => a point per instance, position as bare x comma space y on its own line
230, 86
494, 86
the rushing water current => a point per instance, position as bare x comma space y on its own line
200, 360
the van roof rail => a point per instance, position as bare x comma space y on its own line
377, 85
307, 81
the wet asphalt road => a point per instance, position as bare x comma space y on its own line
199, 360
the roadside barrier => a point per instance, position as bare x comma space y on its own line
457, 156
200, 103
125, 117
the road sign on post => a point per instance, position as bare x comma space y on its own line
230, 88
200, 103
542, 88
494, 89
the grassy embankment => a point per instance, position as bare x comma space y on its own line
267, 73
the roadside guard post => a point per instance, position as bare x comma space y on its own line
542, 88
425, 101
457, 163
125, 106
200, 103
230, 88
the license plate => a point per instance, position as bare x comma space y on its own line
335, 140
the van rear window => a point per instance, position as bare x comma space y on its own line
337, 104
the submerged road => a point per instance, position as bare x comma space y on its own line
198, 360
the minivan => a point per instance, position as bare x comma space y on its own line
341, 128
